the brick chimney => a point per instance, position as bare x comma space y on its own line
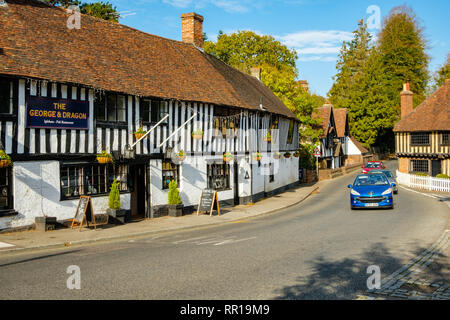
406, 97
256, 72
192, 29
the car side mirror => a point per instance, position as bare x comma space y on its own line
393, 184
350, 186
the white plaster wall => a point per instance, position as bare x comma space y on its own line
37, 193
352, 149
285, 172
192, 181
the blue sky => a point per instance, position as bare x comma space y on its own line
315, 28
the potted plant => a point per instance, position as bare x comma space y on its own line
227, 157
5, 160
268, 137
197, 134
104, 157
297, 154
114, 203
257, 156
276, 155
139, 133
287, 155
175, 205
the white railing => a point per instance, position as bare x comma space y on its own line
421, 182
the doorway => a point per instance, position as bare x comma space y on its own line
236, 183
138, 175
435, 167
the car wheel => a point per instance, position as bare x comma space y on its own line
396, 192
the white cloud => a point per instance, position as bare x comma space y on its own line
316, 45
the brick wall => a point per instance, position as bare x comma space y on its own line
403, 165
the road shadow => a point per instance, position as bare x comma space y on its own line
345, 279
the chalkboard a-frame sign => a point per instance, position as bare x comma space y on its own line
84, 212
207, 199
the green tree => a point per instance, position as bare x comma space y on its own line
104, 10
442, 73
114, 196
402, 48
350, 66
246, 49
174, 194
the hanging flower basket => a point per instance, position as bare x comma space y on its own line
197, 134
227, 157
276, 155
268, 137
180, 156
104, 157
257, 156
5, 160
297, 154
139, 133
287, 155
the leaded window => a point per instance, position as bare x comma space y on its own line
170, 171
420, 139
91, 179
419, 166
218, 176
6, 199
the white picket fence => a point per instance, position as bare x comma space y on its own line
420, 182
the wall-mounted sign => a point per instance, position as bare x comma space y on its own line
55, 113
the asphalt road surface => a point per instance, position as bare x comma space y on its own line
319, 249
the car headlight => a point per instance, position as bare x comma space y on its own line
387, 192
355, 193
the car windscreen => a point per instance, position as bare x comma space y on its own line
387, 173
373, 165
371, 180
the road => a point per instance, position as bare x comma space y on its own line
319, 249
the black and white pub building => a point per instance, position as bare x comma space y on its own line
67, 94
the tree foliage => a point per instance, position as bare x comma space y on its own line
246, 49
103, 10
442, 73
114, 196
370, 76
174, 194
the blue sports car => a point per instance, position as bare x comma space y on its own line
371, 191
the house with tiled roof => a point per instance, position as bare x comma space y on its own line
422, 136
70, 91
329, 138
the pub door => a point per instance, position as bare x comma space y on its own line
236, 183
138, 194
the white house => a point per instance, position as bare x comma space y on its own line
68, 94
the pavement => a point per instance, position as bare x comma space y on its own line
34, 240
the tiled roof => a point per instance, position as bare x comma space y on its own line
431, 115
340, 117
36, 43
324, 114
